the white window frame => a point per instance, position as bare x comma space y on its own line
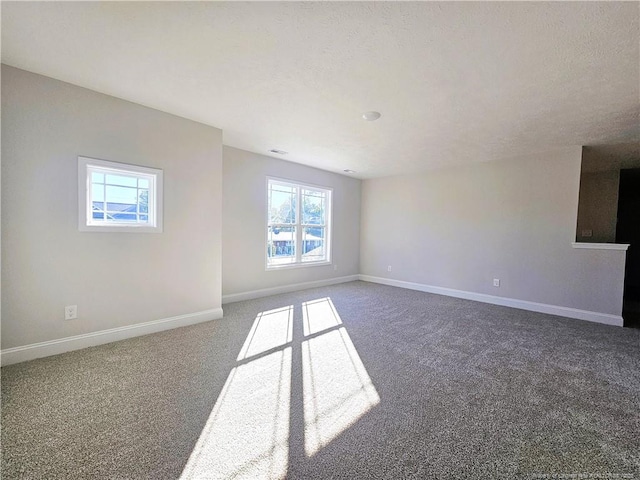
86, 222
299, 225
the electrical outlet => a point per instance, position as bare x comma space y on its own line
70, 312
496, 282
335, 267
389, 268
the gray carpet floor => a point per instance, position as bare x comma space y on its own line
377, 382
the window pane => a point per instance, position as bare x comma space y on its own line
281, 245
97, 177
124, 217
122, 180
122, 194
282, 204
313, 244
123, 203
97, 192
311, 224
98, 212
119, 195
289, 189
117, 211
143, 200
313, 206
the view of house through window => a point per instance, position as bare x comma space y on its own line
298, 224
118, 195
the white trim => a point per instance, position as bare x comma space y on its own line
155, 177
590, 316
601, 246
287, 266
328, 238
265, 292
62, 345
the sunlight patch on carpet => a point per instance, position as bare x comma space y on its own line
319, 315
337, 388
271, 329
247, 433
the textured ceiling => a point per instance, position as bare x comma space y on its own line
455, 82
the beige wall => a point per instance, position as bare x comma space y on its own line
598, 207
116, 279
244, 222
514, 220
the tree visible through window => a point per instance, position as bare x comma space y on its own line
298, 224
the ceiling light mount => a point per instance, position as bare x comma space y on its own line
371, 116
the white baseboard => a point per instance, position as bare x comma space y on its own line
62, 345
53, 347
506, 302
265, 292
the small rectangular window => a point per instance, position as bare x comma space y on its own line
298, 224
117, 197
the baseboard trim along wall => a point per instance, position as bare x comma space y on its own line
265, 292
605, 318
53, 347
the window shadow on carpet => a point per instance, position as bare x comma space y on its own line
249, 432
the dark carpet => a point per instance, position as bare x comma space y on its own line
350, 381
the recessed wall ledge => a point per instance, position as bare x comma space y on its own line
601, 246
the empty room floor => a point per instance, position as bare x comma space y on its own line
349, 381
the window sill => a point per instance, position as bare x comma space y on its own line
119, 229
600, 246
297, 265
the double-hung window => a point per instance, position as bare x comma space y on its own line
298, 224
117, 197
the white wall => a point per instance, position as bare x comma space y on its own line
244, 223
116, 279
456, 228
514, 220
